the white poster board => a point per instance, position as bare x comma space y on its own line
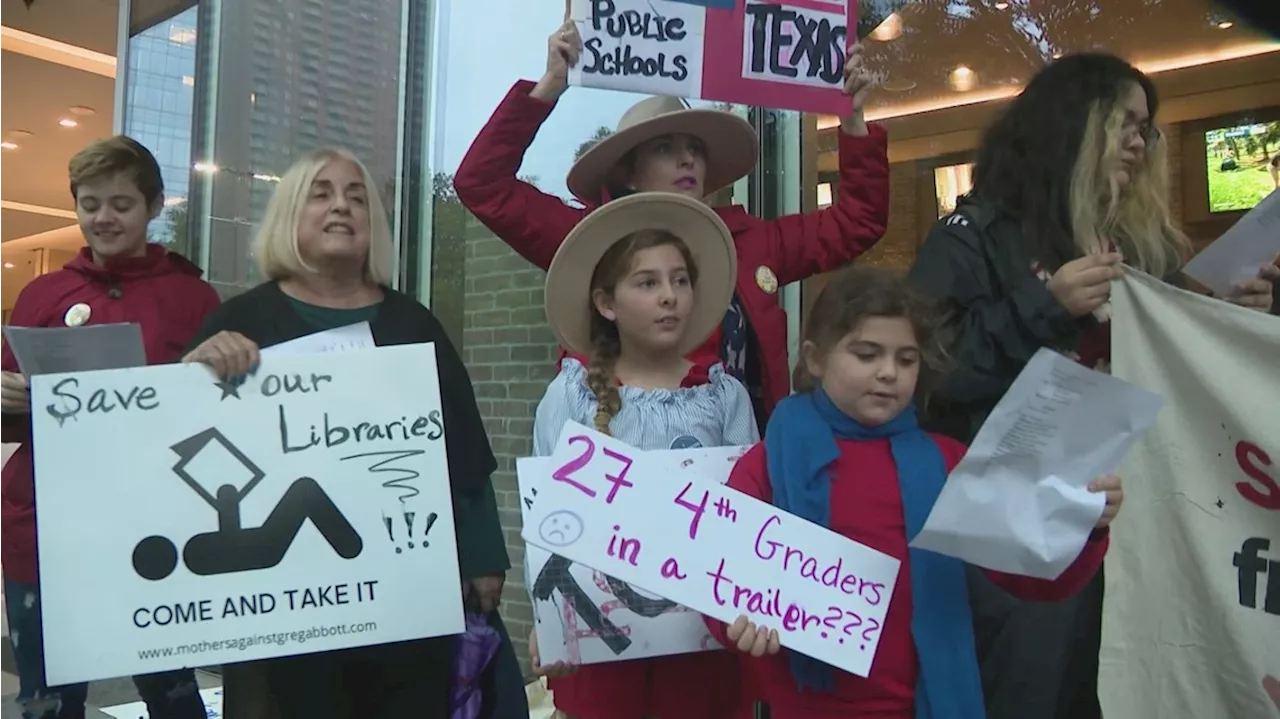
305, 510
583, 616
712, 549
653, 47
1191, 624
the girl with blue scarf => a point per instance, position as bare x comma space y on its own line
847, 453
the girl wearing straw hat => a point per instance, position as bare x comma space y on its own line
635, 287
663, 145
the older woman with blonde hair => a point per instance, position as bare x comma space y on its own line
326, 253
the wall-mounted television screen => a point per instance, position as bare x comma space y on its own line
1243, 165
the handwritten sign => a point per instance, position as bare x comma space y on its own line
694, 542
785, 54
305, 510
583, 616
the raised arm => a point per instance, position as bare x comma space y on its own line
801, 246
531, 221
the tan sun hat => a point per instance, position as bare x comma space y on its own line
568, 294
730, 143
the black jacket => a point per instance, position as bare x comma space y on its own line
999, 313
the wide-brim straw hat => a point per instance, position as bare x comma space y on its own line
731, 145
568, 295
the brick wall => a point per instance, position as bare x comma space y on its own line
510, 355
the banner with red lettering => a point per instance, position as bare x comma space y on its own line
786, 54
1192, 613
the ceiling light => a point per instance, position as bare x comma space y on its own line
8, 265
9, 145
963, 79
889, 29
1225, 25
1002, 6
67, 122
898, 85
82, 110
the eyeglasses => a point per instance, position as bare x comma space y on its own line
1149, 133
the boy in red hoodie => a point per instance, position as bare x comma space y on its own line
118, 277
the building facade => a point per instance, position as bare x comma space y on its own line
408, 85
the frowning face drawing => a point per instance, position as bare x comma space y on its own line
560, 528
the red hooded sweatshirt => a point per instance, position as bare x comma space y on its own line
160, 291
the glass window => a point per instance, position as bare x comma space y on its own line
162, 60
252, 110
946, 68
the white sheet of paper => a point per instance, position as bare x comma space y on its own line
1253, 241
357, 336
1019, 501
626, 626
53, 350
9, 448
712, 549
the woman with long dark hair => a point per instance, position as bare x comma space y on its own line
1071, 181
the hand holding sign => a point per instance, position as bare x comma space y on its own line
689, 540
857, 85
563, 48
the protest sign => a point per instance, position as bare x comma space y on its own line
712, 549
304, 510
583, 616
787, 55
1191, 625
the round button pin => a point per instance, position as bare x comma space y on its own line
77, 315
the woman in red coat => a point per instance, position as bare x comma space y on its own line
662, 145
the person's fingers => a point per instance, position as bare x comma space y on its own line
735, 630
775, 642
1270, 273
748, 638
1105, 483
13, 381
1100, 276
761, 645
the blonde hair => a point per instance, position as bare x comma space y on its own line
1137, 217
606, 344
276, 244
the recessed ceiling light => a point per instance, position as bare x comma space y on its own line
8, 265
82, 110
897, 85
1225, 25
1002, 6
67, 122
9, 145
889, 29
963, 79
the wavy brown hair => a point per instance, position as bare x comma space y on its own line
606, 346
856, 294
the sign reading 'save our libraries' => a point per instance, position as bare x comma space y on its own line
306, 509
696, 543
784, 54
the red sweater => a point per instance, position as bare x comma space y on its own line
866, 506
161, 291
